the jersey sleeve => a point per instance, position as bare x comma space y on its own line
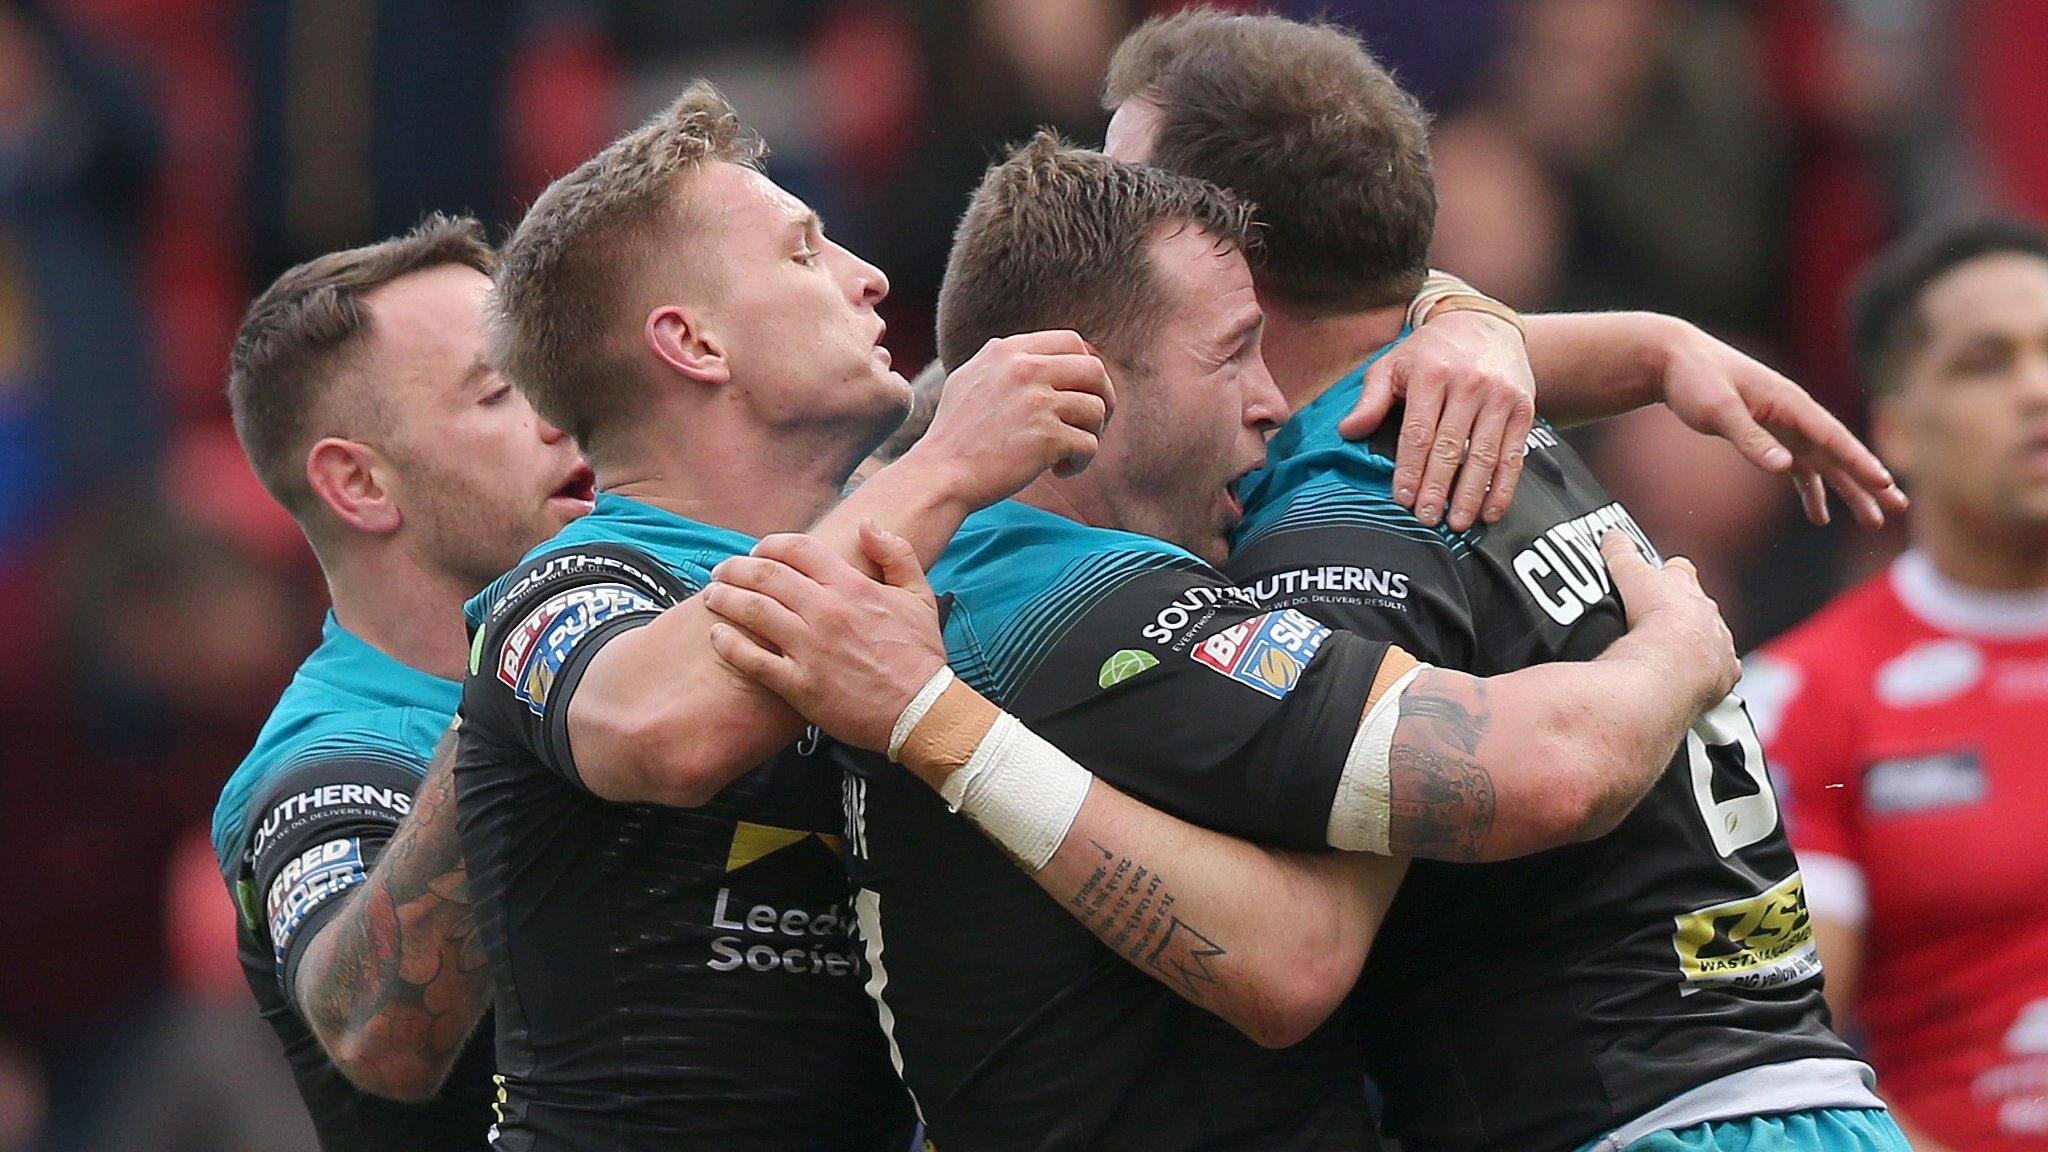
540, 627
1808, 745
1183, 690
1392, 582
316, 832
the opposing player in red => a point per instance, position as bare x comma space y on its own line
1909, 719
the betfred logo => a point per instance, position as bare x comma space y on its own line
537, 647
308, 881
1267, 652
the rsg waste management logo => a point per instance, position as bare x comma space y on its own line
1757, 942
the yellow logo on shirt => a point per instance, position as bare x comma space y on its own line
750, 842
1757, 942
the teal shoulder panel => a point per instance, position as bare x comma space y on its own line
689, 549
1018, 577
347, 701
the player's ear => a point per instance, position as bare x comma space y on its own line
1892, 418
679, 338
353, 482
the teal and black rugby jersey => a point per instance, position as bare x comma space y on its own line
665, 978
1014, 1026
1540, 1002
298, 827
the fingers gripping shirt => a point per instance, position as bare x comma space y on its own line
1540, 1002
664, 977
1014, 1026
299, 826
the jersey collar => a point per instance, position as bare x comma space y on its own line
1323, 413
622, 517
1953, 607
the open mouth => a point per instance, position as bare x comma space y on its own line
1233, 494
580, 486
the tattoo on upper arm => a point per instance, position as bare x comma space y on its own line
1128, 906
1442, 800
402, 966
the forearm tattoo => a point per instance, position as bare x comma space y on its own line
1129, 908
401, 968
1442, 800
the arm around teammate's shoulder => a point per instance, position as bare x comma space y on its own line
1270, 940
1498, 767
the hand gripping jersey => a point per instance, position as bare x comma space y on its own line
1539, 1003
1013, 1025
1908, 723
666, 978
299, 825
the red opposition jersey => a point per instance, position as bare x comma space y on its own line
1908, 727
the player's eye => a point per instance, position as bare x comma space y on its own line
808, 257
1983, 359
497, 395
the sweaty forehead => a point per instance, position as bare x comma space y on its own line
743, 200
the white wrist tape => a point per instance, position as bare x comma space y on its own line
918, 706
1438, 287
1019, 790
1361, 816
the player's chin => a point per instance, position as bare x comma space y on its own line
1214, 544
892, 394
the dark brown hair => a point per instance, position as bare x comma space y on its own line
556, 327
1302, 121
304, 334
1885, 322
1055, 238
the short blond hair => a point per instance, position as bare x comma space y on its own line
564, 277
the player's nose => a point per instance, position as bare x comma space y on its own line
1265, 409
870, 284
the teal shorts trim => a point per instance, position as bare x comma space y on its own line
1819, 1130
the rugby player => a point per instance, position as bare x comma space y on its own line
719, 360
1091, 609
652, 848
1657, 984
1905, 719
360, 393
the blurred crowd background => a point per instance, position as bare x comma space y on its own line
1729, 161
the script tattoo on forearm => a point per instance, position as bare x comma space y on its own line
401, 969
1442, 800
1129, 908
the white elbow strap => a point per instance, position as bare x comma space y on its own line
1361, 815
1019, 790
915, 710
